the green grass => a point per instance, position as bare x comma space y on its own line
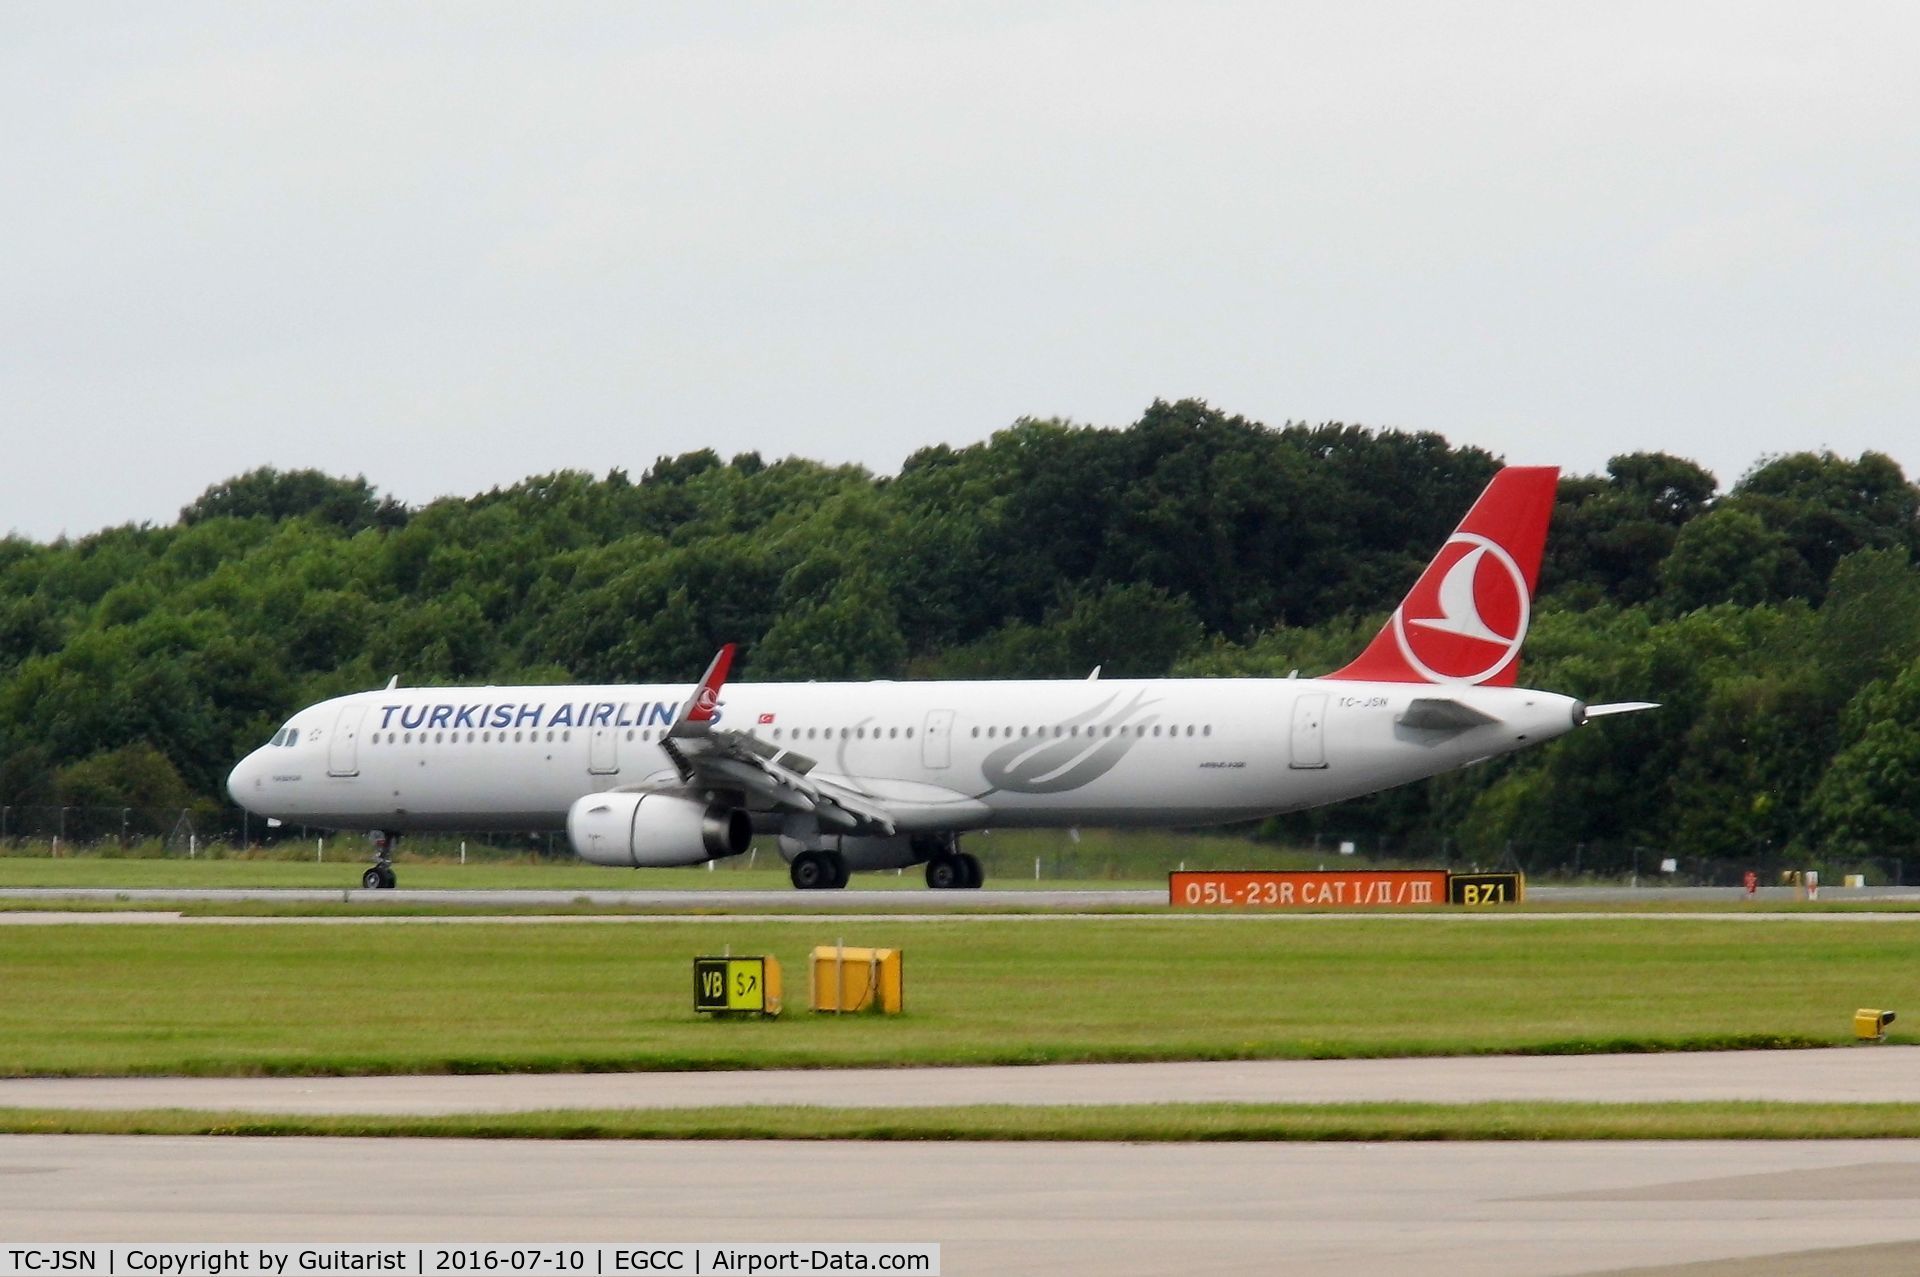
294, 999
1131, 1123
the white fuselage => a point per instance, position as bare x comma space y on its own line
940, 756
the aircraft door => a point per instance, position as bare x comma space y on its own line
343, 752
936, 742
1309, 732
603, 751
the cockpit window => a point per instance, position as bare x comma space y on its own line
293, 736
279, 737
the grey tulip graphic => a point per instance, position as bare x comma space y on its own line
1049, 764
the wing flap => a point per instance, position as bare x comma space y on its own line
868, 815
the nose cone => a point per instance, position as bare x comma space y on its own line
243, 782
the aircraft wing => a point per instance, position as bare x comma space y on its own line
772, 777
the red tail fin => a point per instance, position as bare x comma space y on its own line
1465, 618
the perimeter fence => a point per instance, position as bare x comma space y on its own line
215, 832
1638, 864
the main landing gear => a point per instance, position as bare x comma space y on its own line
960, 870
380, 877
819, 870
949, 868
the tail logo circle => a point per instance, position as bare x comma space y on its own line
1468, 616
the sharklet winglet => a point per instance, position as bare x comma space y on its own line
696, 716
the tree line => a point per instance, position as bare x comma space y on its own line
1777, 621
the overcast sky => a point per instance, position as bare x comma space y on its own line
449, 246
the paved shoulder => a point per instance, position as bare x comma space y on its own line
1859, 1075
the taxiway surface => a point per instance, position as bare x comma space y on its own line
1766, 1209
1861, 1075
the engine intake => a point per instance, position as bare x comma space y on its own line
655, 830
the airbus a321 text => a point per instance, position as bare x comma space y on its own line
884, 775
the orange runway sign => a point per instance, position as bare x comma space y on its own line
1305, 889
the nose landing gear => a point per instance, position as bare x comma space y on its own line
380, 877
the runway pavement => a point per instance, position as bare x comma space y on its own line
1759, 1209
857, 900
783, 900
1865, 1074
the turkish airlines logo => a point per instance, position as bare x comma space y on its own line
703, 704
1466, 619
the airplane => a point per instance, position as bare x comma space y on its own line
887, 775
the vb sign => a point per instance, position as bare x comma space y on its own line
736, 986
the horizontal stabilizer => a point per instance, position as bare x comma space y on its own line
1620, 707
1441, 714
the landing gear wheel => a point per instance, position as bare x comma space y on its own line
972, 875
817, 871
380, 877
945, 873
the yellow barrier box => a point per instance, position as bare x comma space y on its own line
736, 986
848, 979
1870, 1025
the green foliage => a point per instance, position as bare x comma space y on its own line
136, 775
1869, 626
1611, 536
1778, 623
1732, 556
272, 494
842, 626
1869, 799
1826, 507
1126, 631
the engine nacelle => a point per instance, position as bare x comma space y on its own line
655, 830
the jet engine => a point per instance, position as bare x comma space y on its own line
655, 830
